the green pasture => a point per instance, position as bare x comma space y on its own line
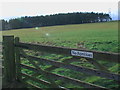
95, 36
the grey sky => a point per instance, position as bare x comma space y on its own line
33, 8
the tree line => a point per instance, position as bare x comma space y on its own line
55, 19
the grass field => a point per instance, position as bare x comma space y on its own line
95, 36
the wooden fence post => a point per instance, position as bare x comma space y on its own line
17, 58
9, 58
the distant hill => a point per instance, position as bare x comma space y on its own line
55, 19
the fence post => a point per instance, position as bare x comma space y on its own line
9, 58
17, 58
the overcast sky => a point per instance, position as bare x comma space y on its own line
15, 8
